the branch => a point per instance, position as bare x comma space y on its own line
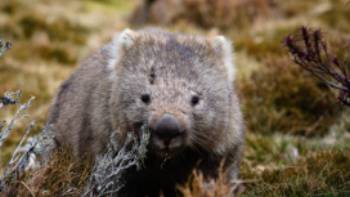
6, 131
107, 176
310, 52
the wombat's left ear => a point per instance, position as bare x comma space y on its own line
223, 47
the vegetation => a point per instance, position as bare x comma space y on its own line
298, 132
315, 57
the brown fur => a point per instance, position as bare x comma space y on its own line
103, 96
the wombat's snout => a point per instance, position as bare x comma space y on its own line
167, 132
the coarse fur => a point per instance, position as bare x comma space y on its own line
103, 96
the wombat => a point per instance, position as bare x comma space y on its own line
180, 85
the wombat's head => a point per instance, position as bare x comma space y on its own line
179, 85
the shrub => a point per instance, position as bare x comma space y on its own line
280, 97
312, 54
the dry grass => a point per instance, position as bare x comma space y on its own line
63, 175
199, 186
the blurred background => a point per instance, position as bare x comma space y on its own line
298, 139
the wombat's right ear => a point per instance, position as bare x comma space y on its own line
122, 41
223, 47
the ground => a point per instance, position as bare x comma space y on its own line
297, 133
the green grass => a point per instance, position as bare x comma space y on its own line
320, 173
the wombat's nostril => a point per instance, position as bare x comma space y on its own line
167, 127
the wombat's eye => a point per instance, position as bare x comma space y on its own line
194, 100
146, 98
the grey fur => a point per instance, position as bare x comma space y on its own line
103, 95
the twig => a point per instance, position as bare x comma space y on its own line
27, 187
5, 131
10, 98
310, 52
107, 175
24, 138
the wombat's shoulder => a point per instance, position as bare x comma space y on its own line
72, 115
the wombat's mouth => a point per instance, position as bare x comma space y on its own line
164, 154
163, 148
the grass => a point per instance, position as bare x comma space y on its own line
297, 133
63, 175
321, 173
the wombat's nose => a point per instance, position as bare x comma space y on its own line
167, 128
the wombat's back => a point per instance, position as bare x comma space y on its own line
79, 114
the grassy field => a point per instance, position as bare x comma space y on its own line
298, 135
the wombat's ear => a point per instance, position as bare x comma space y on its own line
125, 38
122, 41
223, 47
